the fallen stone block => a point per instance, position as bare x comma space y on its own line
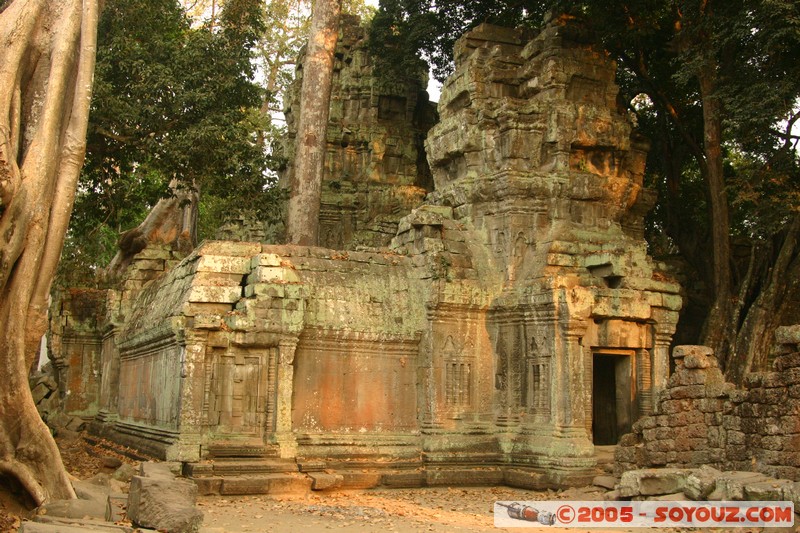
772, 490
75, 527
652, 482
792, 493
701, 482
39, 392
730, 486
164, 503
607, 482
74, 508
116, 507
156, 470
91, 490
124, 473
76, 424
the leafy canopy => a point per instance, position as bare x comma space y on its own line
171, 102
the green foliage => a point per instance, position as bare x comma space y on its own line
403, 30
171, 102
754, 45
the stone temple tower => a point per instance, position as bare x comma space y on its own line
534, 155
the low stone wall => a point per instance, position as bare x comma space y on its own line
702, 420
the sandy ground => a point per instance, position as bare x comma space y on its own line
373, 511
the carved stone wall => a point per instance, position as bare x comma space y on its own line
375, 170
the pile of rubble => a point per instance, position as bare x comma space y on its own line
152, 499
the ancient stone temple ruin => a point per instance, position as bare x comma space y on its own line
514, 322
375, 170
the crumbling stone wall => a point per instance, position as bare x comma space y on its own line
74, 344
375, 169
702, 420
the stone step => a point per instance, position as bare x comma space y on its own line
241, 450
273, 484
233, 467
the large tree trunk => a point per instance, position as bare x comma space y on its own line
302, 222
46, 65
769, 290
717, 332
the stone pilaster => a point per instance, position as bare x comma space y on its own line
660, 369
284, 437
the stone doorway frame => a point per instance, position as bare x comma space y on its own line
625, 401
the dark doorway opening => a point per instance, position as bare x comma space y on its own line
611, 398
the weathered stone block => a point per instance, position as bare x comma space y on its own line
266, 484
124, 473
39, 392
788, 335
266, 259
770, 490
701, 482
94, 508
323, 481
694, 360
684, 350
158, 469
687, 391
650, 482
785, 362
201, 294
730, 485
207, 486
607, 482
689, 377
229, 248
270, 274
164, 503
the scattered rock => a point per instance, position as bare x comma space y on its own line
701, 482
607, 482
76, 424
164, 503
772, 490
112, 463
74, 508
87, 490
730, 485
124, 473
652, 482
